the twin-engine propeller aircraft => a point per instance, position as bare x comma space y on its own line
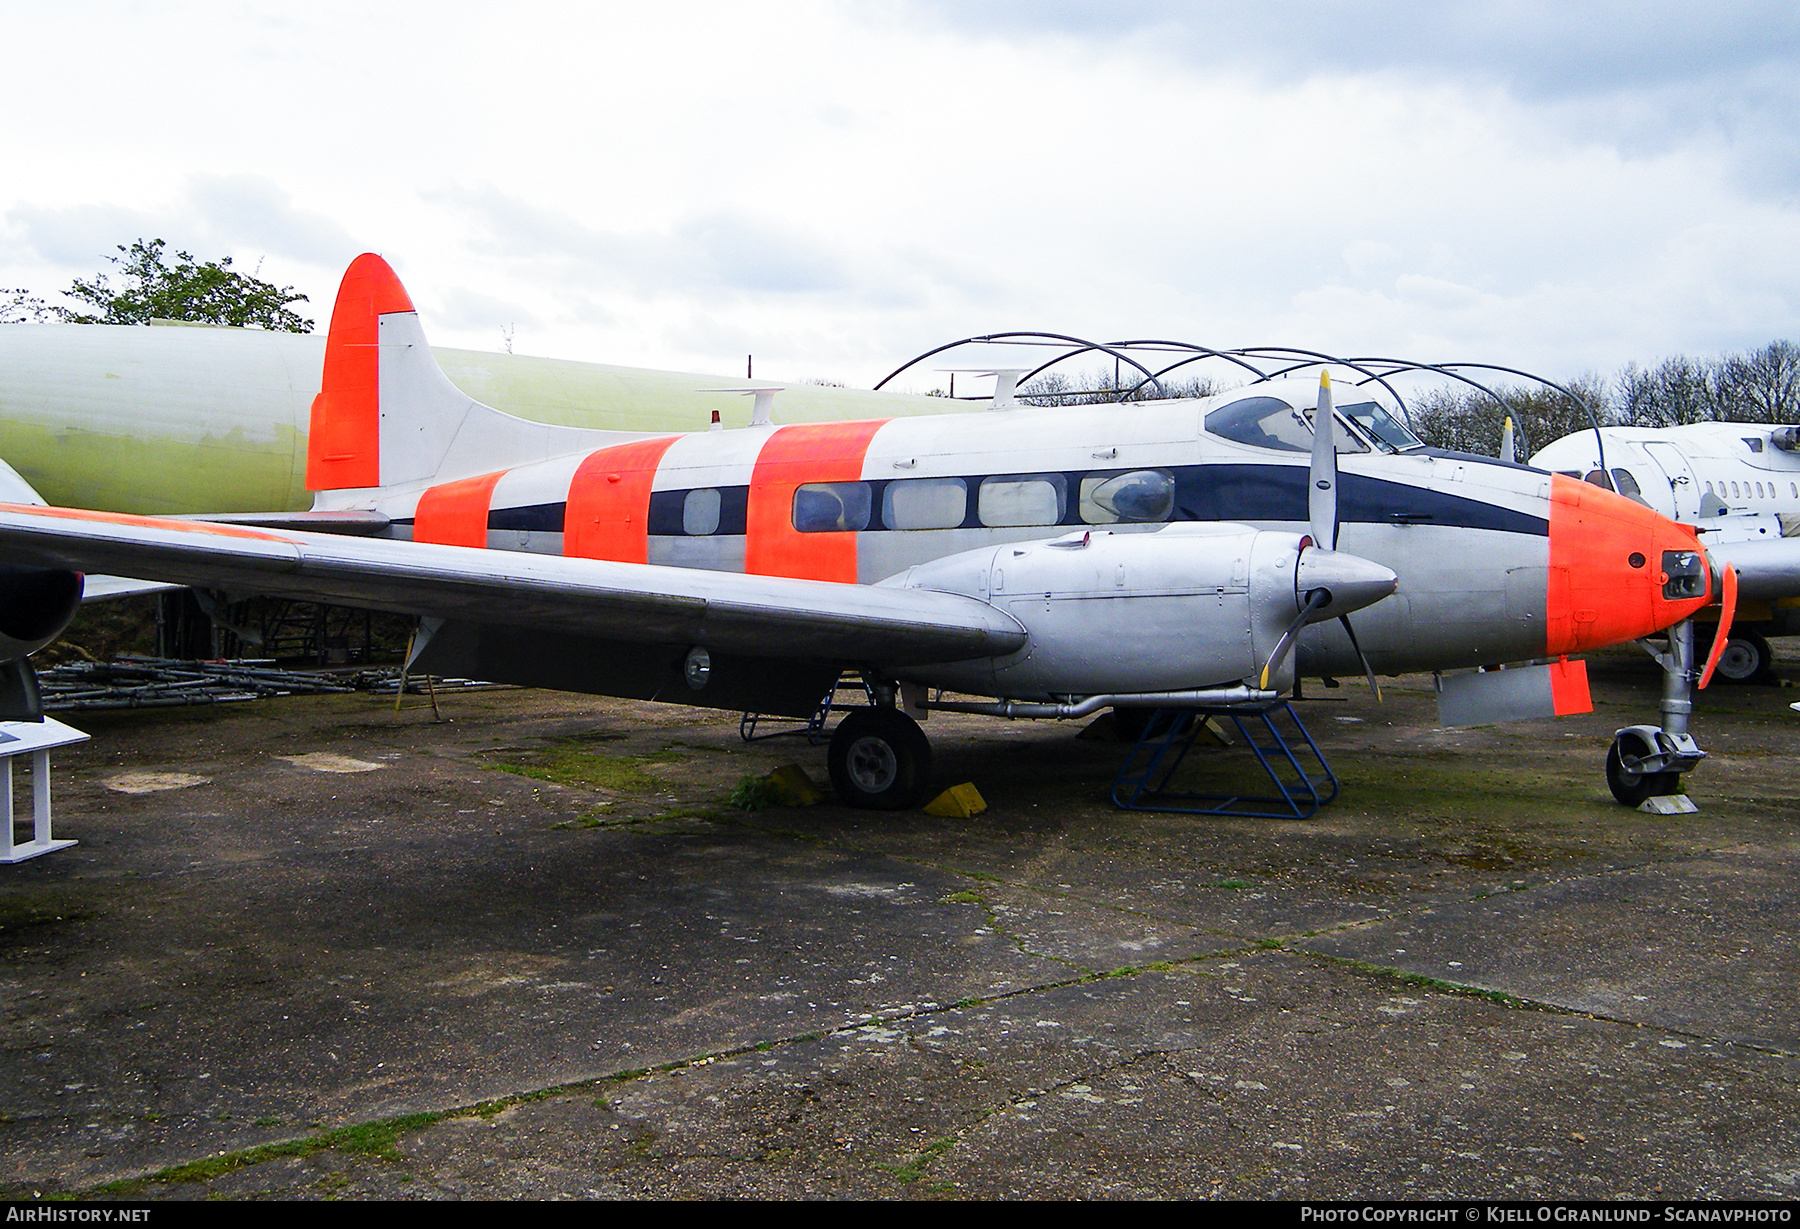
1154, 554
1738, 484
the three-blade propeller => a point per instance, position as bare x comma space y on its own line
1322, 512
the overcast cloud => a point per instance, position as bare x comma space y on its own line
838, 186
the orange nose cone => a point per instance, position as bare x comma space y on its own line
1618, 570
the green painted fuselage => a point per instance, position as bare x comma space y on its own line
166, 420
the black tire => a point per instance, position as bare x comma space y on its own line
1632, 788
880, 760
1746, 659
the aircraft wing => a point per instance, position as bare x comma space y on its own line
758, 616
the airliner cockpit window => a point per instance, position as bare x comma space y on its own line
1381, 426
1270, 422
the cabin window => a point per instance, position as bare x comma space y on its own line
1133, 496
1628, 487
700, 512
925, 503
831, 507
1734, 491
1598, 478
1021, 499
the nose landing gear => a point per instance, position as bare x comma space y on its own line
1647, 761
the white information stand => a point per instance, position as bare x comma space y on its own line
36, 739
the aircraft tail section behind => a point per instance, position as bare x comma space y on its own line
387, 416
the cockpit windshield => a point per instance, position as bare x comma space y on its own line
1388, 432
1270, 422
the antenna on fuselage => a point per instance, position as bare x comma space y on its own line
760, 409
1006, 383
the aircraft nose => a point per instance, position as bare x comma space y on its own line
1352, 581
1618, 570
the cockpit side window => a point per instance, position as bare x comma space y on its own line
1270, 422
1261, 422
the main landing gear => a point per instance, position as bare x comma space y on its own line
880, 760
1746, 658
1647, 761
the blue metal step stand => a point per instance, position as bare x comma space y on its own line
814, 730
1287, 756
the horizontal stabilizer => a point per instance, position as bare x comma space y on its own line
1518, 693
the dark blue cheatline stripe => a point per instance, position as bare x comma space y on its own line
1278, 493
1202, 493
535, 518
666, 511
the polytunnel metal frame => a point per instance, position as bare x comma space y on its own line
1372, 368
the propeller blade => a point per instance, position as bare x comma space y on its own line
1727, 612
1361, 656
1315, 600
1321, 478
1507, 451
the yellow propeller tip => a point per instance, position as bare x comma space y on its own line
1324, 378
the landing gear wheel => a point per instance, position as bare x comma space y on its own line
1745, 659
880, 760
1630, 786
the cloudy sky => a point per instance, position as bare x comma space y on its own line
836, 187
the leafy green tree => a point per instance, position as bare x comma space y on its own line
153, 289
1466, 420
22, 307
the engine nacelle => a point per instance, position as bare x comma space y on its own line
1186, 606
35, 605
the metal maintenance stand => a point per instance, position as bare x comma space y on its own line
36, 739
749, 725
1286, 755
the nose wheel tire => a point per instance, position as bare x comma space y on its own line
1745, 659
1631, 786
880, 760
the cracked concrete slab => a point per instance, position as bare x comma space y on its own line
540, 932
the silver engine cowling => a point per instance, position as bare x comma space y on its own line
1186, 606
